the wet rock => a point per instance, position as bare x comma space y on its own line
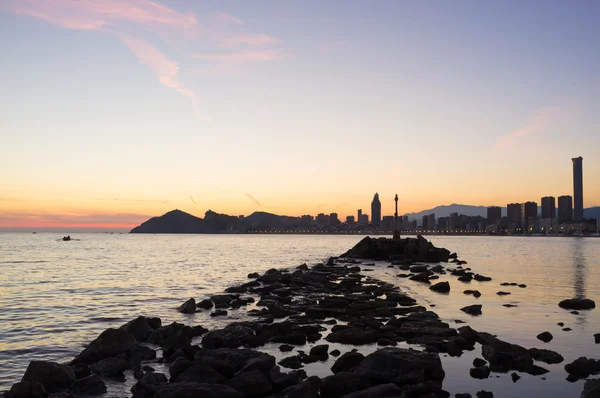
335, 353
437, 268
343, 383
468, 333
474, 309
91, 385
422, 277
347, 362
179, 341
386, 342
138, 374
199, 372
522, 286
320, 352
148, 385
400, 366
418, 268
253, 275
583, 367
577, 304
251, 384
139, 328
481, 278
567, 329
515, 377
591, 389
109, 367
575, 312
286, 348
501, 293
81, 370
509, 305
465, 278
597, 338
223, 299
110, 343
205, 304
388, 390
442, 287
26, 389
561, 324
204, 390
218, 313
462, 395
484, 394
476, 293
53, 376
481, 372
263, 363
189, 307
353, 335
547, 356
308, 388
478, 362
546, 337
236, 289
293, 362
280, 380
295, 338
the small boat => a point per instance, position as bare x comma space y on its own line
66, 238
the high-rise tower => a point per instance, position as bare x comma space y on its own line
578, 189
376, 210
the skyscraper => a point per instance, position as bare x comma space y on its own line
494, 214
376, 210
578, 188
425, 223
359, 214
565, 208
528, 214
513, 212
548, 207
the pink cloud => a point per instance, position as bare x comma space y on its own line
166, 70
250, 40
542, 120
223, 17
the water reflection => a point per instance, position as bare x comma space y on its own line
579, 276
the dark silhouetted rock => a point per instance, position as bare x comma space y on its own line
53, 376
185, 390
91, 385
281, 381
26, 389
110, 343
343, 383
109, 367
189, 307
597, 338
388, 390
199, 372
501, 293
421, 277
478, 362
418, 249
205, 304
481, 278
577, 304
286, 348
251, 384
320, 352
481, 372
474, 309
547, 356
546, 337
442, 287
347, 362
465, 278
485, 394
417, 269
515, 377
219, 313
335, 353
353, 335
293, 362
462, 395
522, 286
139, 328
591, 389
308, 388
583, 367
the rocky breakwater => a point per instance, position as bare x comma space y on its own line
407, 249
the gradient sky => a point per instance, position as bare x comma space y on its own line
112, 111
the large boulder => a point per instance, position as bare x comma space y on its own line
546, 356
53, 376
139, 328
474, 309
577, 304
109, 367
26, 389
280, 380
189, 307
90, 385
583, 367
353, 335
347, 362
546, 337
401, 366
251, 384
204, 390
591, 389
308, 388
389, 390
199, 372
441, 287
343, 383
110, 343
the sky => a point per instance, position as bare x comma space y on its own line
113, 111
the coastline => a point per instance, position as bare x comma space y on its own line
333, 269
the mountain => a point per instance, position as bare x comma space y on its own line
446, 210
591, 212
179, 222
263, 220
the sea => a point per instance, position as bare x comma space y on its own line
55, 296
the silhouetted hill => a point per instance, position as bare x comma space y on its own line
179, 222
446, 210
263, 220
591, 212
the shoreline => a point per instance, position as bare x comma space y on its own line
357, 304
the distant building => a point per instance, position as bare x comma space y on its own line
387, 222
513, 212
454, 222
333, 219
322, 220
306, 220
425, 224
431, 221
577, 189
548, 207
494, 214
413, 225
241, 217
443, 223
565, 208
358, 216
528, 215
364, 219
349, 220
376, 210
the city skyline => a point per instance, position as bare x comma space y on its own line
124, 110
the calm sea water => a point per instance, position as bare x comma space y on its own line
57, 296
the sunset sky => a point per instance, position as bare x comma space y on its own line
112, 111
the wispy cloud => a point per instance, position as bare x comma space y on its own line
223, 17
193, 201
250, 40
253, 199
166, 70
541, 121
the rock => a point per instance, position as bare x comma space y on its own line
263, 363
462, 395
148, 385
389, 390
467, 333
335, 353
139, 328
54, 377
567, 329
522, 286
110, 343
481, 372
417, 269
515, 377
583, 367
476, 293
546, 337
320, 352
501, 293
400, 366
441, 287
253, 275
597, 338
109, 367
251, 384
286, 348
302, 267
509, 305
474, 309
189, 307
347, 362
183, 390
577, 304
353, 335
205, 304
293, 362
91, 385
81, 370
308, 388
591, 389
481, 278
199, 372
484, 394
218, 313
281, 381
26, 389
343, 383
547, 356
386, 342
465, 278
478, 362
422, 277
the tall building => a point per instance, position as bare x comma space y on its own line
565, 208
425, 224
431, 221
364, 219
350, 220
333, 219
578, 188
494, 214
513, 213
548, 207
359, 214
376, 210
322, 220
454, 222
528, 215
